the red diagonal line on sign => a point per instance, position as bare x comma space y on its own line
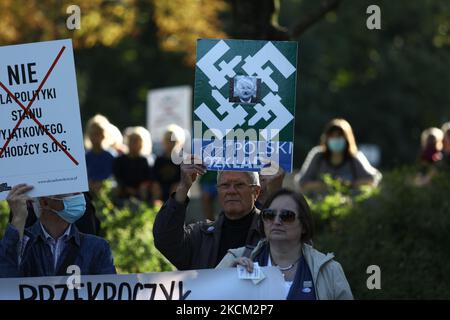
27, 112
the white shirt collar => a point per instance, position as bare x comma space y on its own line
49, 237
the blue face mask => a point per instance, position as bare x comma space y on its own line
336, 144
74, 208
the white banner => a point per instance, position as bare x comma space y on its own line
168, 106
207, 284
41, 141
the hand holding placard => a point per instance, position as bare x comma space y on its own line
17, 200
189, 170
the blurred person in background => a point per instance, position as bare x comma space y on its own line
99, 157
431, 145
132, 170
116, 141
338, 156
445, 161
431, 141
271, 179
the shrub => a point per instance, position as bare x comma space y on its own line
403, 229
128, 230
336, 203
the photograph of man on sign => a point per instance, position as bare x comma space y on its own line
245, 89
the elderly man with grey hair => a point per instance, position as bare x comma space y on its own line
203, 244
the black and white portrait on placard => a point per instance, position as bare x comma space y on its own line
245, 89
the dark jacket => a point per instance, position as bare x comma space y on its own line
88, 223
193, 246
90, 253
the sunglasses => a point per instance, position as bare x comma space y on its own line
284, 215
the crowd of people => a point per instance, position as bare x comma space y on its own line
257, 219
129, 162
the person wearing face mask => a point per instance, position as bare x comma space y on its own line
53, 242
88, 223
133, 170
338, 156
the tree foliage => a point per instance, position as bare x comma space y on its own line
103, 22
389, 83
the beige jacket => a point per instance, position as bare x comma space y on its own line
329, 278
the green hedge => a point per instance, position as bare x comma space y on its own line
399, 227
402, 228
129, 232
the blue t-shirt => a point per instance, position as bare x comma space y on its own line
99, 165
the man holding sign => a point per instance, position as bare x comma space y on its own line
244, 106
53, 243
202, 245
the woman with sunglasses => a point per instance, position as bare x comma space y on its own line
308, 274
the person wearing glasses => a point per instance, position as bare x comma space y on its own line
288, 227
203, 244
53, 242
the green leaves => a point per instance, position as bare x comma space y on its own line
399, 226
